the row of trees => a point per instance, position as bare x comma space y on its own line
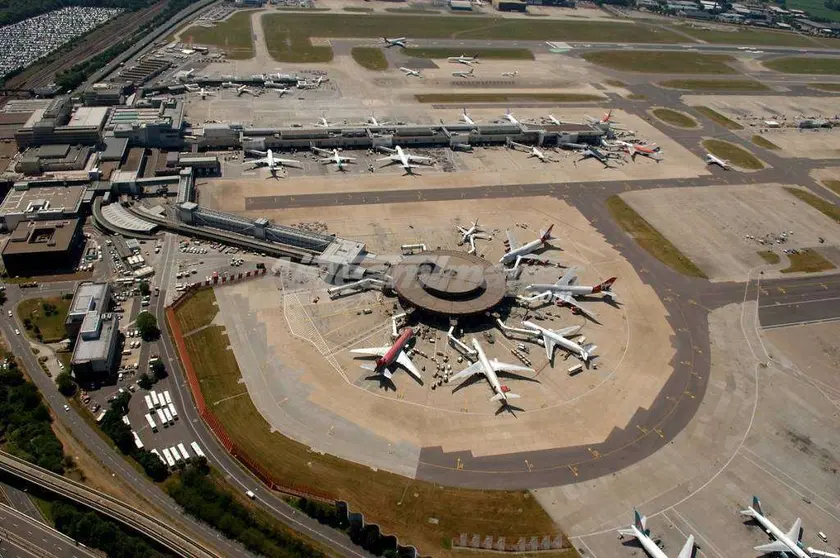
120, 434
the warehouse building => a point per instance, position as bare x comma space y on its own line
96, 332
43, 248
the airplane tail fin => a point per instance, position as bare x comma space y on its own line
547, 234
754, 510
688, 548
640, 521
605, 286
588, 349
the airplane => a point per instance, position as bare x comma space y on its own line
512, 74
606, 119
464, 59
712, 160
409, 72
553, 120
509, 117
400, 42
468, 74
532, 151
184, 76
642, 534
552, 337
593, 153
516, 252
466, 118
270, 161
785, 543
282, 91
567, 285
389, 357
204, 93
398, 156
373, 121
328, 157
489, 368
322, 122
634, 149
242, 89
470, 234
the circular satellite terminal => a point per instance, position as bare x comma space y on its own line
448, 282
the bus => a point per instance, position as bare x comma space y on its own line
155, 399
197, 450
137, 441
172, 410
162, 418
167, 398
168, 456
151, 422
168, 415
149, 403
175, 453
183, 450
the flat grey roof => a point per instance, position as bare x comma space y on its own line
93, 343
89, 296
68, 197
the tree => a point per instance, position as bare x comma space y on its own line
2, 297
147, 325
145, 382
144, 288
65, 384
27, 323
158, 369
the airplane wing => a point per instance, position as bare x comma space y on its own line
549, 346
286, 161
321, 151
570, 300
386, 149
773, 547
404, 361
389, 158
257, 162
503, 367
512, 242
688, 549
257, 152
371, 351
474, 368
794, 532
418, 158
569, 278
346, 159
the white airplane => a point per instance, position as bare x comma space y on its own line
470, 234
282, 91
552, 338
785, 543
204, 93
322, 122
400, 42
270, 161
489, 368
466, 118
405, 160
512, 74
593, 153
567, 285
388, 357
409, 72
242, 89
332, 157
516, 252
551, 118
466, 74
464, 59
228, 84
531, 150
509, 117
642, 534
633, 149
373, 121
186, 75
712, 160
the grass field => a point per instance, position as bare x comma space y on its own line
233, 35
718, 118
770, 257
814, 8
715, 84
751, 37
411, 11
400, 505
761, 141
661, 62
650, 239
807, 261
506, 97
286, 41
734, 154
488, 53
278, 27
804, 65
52, 327
371, 58
833, 185
833, 87
674, 118
824, 206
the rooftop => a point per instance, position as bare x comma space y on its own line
41, 237
89, 116
95, 337
43, 198
88, 297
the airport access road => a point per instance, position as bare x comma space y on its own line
24, 537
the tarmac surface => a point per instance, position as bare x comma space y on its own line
800, 301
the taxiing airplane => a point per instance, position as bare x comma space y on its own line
400, 42
389, 357
509, 117
464, 59
512, 74
467, 74
532, 151
405, 160
553, 338
515, 252
712, 160
470, 234
409, 72
489, 368
270, 161
466, 118
785, 543
332, 157
642, 534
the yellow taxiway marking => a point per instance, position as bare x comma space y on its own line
459, 465
595, 453
573, 469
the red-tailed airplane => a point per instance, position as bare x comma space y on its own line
388, 357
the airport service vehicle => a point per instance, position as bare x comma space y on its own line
176, 455
489, 369
532, 151
171, 409
712, 160
388, 357
464, 59
162, 418
553, 338
466, 74
405, 160
516, 252
197, 449
155, 399
409, 72
642, 534
183, 451
167, 397
148, 401
785, 543
399, 42
269, 160
332, 157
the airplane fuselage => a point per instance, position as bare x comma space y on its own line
391, 356
567, 344
574, 290
489, 373
523, 250
777, 534
648, 544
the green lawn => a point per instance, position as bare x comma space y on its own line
506, 97
770, 257
488, 53
715, 84
52, 326
751, 37
411, 11
807, 261
823, 206
674, 118
761, 141
733, 153
661, 62
718, 118
371, 58
287, 41
233, 35
815, 8
358, 9
650, 239
805, 65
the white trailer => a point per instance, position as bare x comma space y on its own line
168, 456
151, 422
162, 418
125, 421
197, 450
137, 441
149, 404
167, 398
155, 398
176, 454
168, 415
172, 411
159, 456
183, 451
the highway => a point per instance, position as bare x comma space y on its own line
23, 537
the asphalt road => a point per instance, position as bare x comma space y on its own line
21, 536
800, 301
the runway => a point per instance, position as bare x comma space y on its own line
800, 301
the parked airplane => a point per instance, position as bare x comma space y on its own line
332, 157
466, 118
470, 234
373, 121
282, 91
567, 285
464, 59
516, 252
785, 543
228, 84
633, 149
270, 161
204, 93
642, 534
242, 89
398, 156
552, 338
532, 151
409, 72
186, 75
712, 160
593, 153
489, 368
467, 74
322, 122
606, 119
400, 42
389, 357
512, 74
509, 117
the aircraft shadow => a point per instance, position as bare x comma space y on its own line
384, 383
